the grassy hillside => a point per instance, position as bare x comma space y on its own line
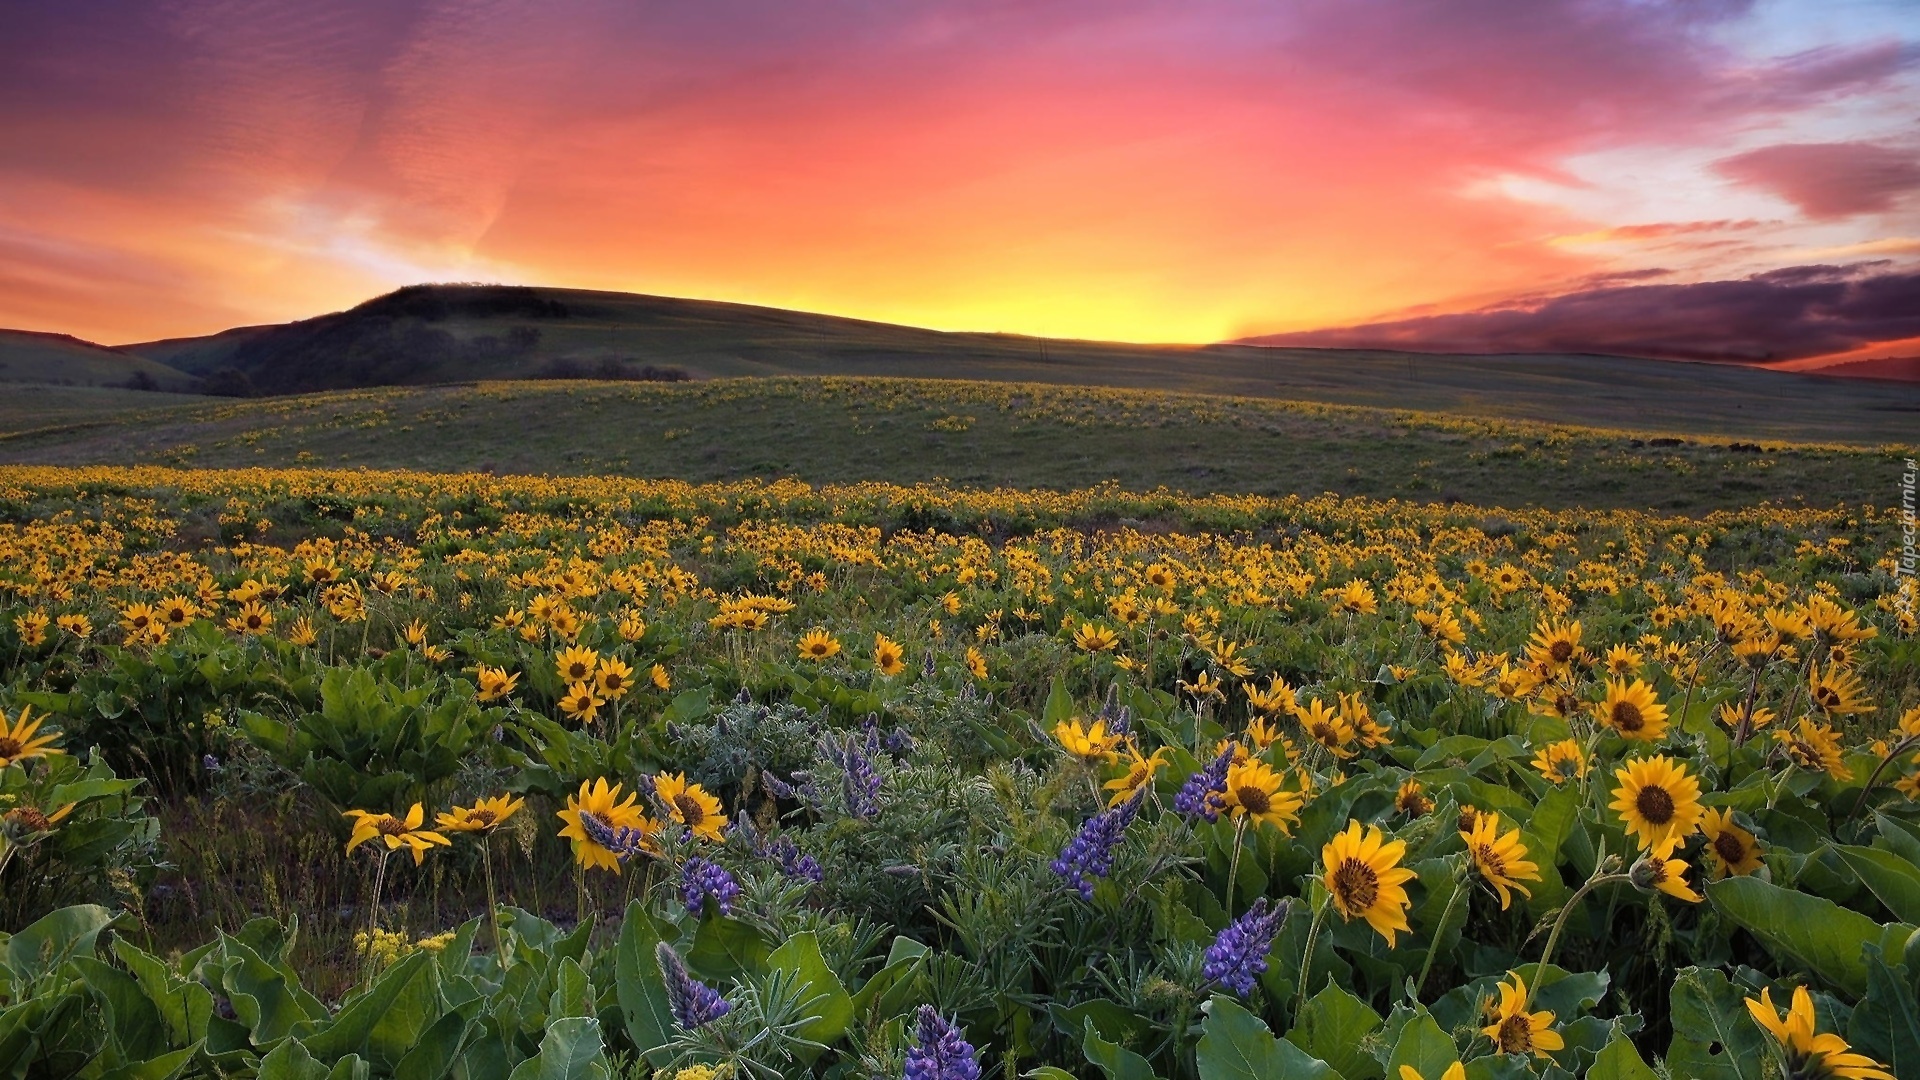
975, 434
60, 360
430, 334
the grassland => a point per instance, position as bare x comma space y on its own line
60, 360
969, 433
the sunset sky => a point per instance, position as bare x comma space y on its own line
1439, 172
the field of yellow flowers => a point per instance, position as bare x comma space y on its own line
311, 774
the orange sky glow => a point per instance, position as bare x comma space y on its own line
1173, 172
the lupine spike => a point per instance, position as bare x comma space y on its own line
1239, 954
693, 1003
939, 1051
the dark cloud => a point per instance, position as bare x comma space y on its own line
1786, 314
1828, 180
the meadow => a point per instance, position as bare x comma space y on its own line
358, 773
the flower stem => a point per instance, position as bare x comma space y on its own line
1306, 957
1560, 922
1460, 887
493, 904
1906, 744
373, 915
1233, 865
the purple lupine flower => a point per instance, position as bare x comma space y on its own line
1204, 793
700, 879
860, 783
1239, 954
693, 1003
1090, 853
793, 864
781, 789
625, 842
939, 1051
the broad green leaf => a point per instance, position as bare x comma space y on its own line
353, 1027
1897, 836
55, 938
800, 956
1423, 1047
1047, 1072
1235, 1045
1812, 933
642, 991
724, 948
1331, 1028
434, 1055
1886, 1023
291, 1061
1116, 1061
1892, 879
163, 1067
133, 1024
571, 1050
1714, 1037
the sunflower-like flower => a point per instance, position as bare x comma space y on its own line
252, 618
1140, 773
1754, 717
1732, 849
1554, 645
576, 664
483, 816
20, 738
395, 832
23, 822
1092, 744
889, 658
1624, 660
1837, 691
605, 829
977, 663
613, 678
1276, 699
1455, 1071
581, 702
1806, 1052
816, 644
690, 805
1562, 761
1411, 799
1632, 710
1365, 879
1500, 859
1255, 792
1328, 727
1657, 799
1515, 1030
496, 683
1658, 871
1092, 637
1815, 747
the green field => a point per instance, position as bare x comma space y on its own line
968, 433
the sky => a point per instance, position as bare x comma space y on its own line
1733, 178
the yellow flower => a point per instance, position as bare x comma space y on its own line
1815, 747
252, 618
1732, 849
1328, 727
483, 816
581, 703
598, 813
1516, 1031
416, 633
495, 683
613, 678
1455, 1071
1808, 1053
1364, 877
1656, 799
690, 805
1093, 637
1411, 799
1837, 691
1554, 645
302, 633
1276, 699
395, 832
1562, 761
658, 676
1633, 711
1254, 792
976, 663
1624, 660
576, 665
1091, 744
76, 624
817, 644
1657, 870
22, 821
1502, 860
1140, 773
19, 741
888, 657
32, 627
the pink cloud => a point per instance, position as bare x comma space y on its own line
1828, 180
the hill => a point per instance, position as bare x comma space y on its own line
423, 335
977, 434
60, 360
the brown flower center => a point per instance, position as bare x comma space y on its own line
1626, 716
1826, 696
691, 812
1561, 651
1254, 800
1655, 804
1356, 885
1324, 734
1516, 1035
1491, 864
10, 746
1730, 848
30, 819
392, 826
484, 817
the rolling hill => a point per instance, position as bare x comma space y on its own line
60, 360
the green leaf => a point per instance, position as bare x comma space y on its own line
725, 948
1897, 836
1116, 1061
184, 1005
1331, 1028
55, 938
800, 956
434, 1055
1892, 879
164, 1067
1714, 1037
1235, 1045
353, 1027
641, 989
1424, 1047
291, 1061
1059, 707
1812, 933
571, 1050
1618, 1060
132, 1022
1047, 1072
1886, 1023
